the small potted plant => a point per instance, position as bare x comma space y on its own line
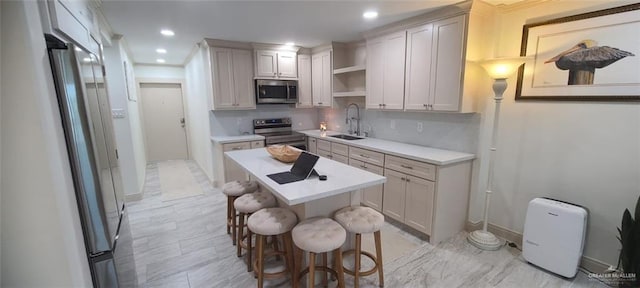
629, 260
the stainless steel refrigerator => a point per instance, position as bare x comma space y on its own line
93, 155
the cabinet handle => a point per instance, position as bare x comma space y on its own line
364, 156
236, 148
379, 105
280, 73
319, 103
425, 105
406, 166
384, 105
403, 179
363, 166
408, 180
329, 156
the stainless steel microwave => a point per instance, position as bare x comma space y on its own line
276, 91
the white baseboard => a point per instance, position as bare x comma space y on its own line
133, 197
588, 263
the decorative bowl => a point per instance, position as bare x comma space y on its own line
284, 153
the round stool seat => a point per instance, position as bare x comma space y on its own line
272, 221
358, 219
252, 202
319, 235
238, 188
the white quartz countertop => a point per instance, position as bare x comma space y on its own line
341, 178
415, 152
235, 139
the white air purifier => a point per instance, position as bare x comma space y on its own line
554, 234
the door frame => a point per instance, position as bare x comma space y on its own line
179, 81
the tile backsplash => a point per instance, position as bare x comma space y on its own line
451, 131
239, 122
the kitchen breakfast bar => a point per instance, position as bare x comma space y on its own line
311, 197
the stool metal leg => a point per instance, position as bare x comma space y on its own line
234, 226
229, 207
376, 236
356, 269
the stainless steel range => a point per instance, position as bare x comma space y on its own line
278, 131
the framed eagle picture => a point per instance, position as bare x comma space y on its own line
587, 57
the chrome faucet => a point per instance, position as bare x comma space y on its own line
350, 120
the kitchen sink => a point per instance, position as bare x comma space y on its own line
346, 137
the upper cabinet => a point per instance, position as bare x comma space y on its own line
232, 79
321, 76
420, 64
434, 66
385, 71
276, 64
304, 82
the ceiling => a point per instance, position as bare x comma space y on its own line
306, 23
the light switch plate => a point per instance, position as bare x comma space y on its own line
118, 113
419, 126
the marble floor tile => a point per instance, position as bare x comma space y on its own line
183, 243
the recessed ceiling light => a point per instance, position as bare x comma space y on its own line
86, 59
160, 60
370, 15
161, 51
289, 44
167, 32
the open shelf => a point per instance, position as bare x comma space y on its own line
349, 94
349, 69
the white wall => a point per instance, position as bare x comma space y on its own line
42, 244
128, 130
158, 71
585, 153
197, 108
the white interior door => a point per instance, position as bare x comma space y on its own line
163, 114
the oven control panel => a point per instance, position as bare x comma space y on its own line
271, 122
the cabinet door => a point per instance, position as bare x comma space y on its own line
419, 203
393, 86
242, 79
266, 64
324, 153
447, 64
287, 65
304, 81
371, 196
233, 171
312, 145
340, 158
223, 86
394, 195
418, 68
321, 79
375, 73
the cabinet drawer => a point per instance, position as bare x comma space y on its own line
411, 167
257, 144
340, 149
324, 145
236, 146
368, 156
340, 158
325, 154
365, 166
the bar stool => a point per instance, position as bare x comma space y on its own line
233, 190
320, 235
273, 222
246, 205
360, 220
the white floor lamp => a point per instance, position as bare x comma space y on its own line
499, 69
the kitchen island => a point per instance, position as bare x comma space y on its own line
311, 197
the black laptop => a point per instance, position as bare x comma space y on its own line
302, 168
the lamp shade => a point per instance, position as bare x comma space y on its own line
502, 68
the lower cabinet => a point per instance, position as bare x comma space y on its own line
418, 207
232, 171
371, 196
394, 195
312, 145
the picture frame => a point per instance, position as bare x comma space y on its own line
593, 56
